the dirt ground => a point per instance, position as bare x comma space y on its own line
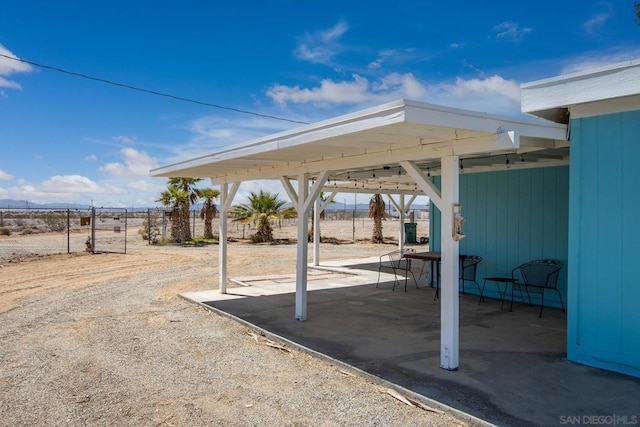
105, 340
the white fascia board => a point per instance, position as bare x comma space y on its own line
382, 115
615, 81
455, 118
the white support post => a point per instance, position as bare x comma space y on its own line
449, 302
226, 197
302, 248
317, 209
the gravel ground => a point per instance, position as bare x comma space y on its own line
105, 340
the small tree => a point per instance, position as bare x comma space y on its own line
260, 210
177, 199
180, 194
376, 211
209, 210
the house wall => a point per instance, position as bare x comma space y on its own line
604, 296
513, 216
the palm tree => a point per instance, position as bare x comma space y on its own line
177, 199
260, 210
376, 211
180, 194
209, 210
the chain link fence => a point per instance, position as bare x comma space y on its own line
28, 232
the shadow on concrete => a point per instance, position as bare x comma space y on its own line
512, 364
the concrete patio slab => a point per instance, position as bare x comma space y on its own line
512, 371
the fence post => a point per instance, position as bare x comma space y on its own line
68, 232
126, 222
93, 230
148, 226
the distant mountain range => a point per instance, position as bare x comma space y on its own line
22, 204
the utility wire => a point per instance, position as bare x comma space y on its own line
153, 92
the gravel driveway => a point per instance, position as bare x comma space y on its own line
105, 340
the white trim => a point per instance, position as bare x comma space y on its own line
541, 97
609, 106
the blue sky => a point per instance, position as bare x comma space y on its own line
73, 140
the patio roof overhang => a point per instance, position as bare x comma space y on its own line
392, 148
363, 150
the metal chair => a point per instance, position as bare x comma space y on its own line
468, 269
467, 273
394, 261
538, 276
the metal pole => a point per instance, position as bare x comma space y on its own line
93, 230
125, 231
193, 235
68, 232
148, 226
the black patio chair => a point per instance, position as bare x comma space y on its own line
467, 273
468, 270
537, 277
395, 262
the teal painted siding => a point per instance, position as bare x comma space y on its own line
604, 322
513, 216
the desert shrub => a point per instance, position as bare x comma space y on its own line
55, 222
154, 230
5, 231
257, 238
27, 231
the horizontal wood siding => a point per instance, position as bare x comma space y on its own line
604, 293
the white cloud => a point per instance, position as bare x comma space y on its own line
494, 85
592, 25
320, 47
92, 157
595, 60
352, 92
61, 189
136, 163
5, 176
76, 184
492, 94
509, 30
10, 66
125, 139
457, 45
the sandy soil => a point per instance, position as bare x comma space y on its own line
105, 340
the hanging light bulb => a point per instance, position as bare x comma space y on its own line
461, 166
506, 161
348, 176
522, 157
399, 170
428, 172
374, 173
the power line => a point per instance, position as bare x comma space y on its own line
153, 92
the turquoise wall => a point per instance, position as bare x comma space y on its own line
604, 296
512, 217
